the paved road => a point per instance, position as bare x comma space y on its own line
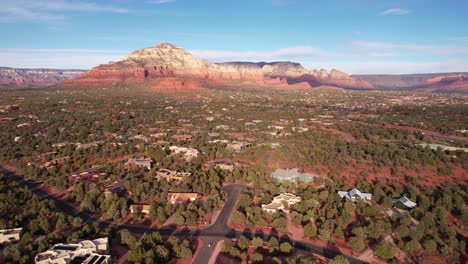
220, 227
211, 234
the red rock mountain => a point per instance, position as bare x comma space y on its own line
169, 67
27, 78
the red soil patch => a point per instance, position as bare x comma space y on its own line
347, 137
177, 84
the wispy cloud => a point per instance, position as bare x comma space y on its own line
395, 12
160, 2
48, 10
57, 58
415, 49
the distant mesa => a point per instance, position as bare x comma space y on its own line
168, 67
30, 78
425, 82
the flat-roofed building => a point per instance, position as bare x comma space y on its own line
139, 162
142, 208
177, 197
279, 202
85, 251
10, 235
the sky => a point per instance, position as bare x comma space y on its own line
355, 36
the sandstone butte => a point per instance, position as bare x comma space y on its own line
455, 83
167, 67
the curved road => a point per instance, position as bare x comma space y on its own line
211, 234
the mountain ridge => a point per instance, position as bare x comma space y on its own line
151, 65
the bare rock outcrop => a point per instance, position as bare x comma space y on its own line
151, 65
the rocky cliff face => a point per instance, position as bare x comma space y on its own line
150, 65
26, 78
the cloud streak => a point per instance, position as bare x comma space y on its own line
355, 57
51, 10
415, 49
395, 12
57, 58
160, 2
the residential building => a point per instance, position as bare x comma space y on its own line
171, 175
224, 165
175, 197
142, 208
114, 188
189, 153
139, 162
10, 235
87, 177
86, 252
279, 203
355, 195
403, 203
238, 146
293, 174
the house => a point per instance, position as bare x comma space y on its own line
142, 208
279, 202
175, 197
403, 203
114, 188
355, 195
10, 235
293, 174
224, 165
87, 177
238, 146
54, 162
189, 153
171, 175
86, 251
139, 162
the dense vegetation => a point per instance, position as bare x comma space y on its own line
349, 138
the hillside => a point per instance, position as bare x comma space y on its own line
427, 82
166, 67
27, 78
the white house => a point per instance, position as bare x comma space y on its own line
10, 235
279, 201
86, 251
355, 195
404, 202
189, 153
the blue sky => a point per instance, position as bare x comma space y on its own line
356, 36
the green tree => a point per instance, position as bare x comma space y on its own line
257, 242
340, 259
273, 244
257, 258
310, 231
286, 248
384, 251
243, 243
357, 243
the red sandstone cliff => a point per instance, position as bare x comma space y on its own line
169, 67
26, 78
